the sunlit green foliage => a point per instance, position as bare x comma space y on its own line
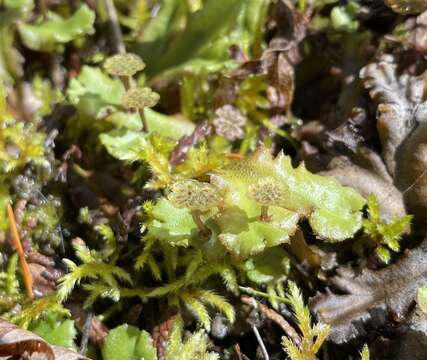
385, 236
193, 233
96, 270
20, 143
195, 347
46, 215
97, 96
364, 354
10, 293
209, 32
48, 35
37, 309
344, 17
126, 342
55, 330
312, 336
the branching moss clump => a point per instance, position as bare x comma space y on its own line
312, 336
383, 236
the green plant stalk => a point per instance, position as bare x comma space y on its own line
143, 120
128, 83
253, 292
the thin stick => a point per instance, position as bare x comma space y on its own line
143, 120
234, 156
273, 316
26, 273
415, 182
237, 352
43, 8
86, 333
261, 343
117, 37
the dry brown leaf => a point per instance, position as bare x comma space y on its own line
366, 173
417, 38
24, 344
187, 142
369, 296
401, 104
412, 345
411, 171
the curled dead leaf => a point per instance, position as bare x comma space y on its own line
367, 174
417, 38
401, 104
369, 296
411, 171
18, 343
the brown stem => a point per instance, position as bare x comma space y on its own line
204, 230
43, 8
26, 273
143, 120
273, 316
264, 214
127, 82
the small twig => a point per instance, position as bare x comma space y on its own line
180, 152
86, 333
238, 352
143, 120
234, 156
26, 273
117, 37
43, 7
273, 316
415, 182
261, 343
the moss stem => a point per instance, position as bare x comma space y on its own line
264, 214
128, 82
143, 120
204, 230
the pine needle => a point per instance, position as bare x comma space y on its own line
26, 273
